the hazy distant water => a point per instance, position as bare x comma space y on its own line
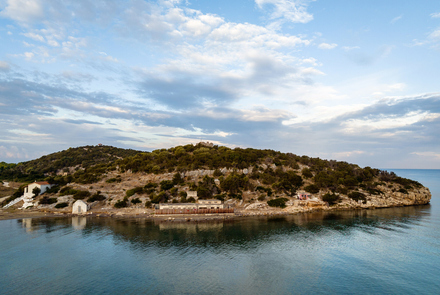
387, 251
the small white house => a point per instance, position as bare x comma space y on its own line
191, 194
42, 185
210, 204
80, 207
28, 194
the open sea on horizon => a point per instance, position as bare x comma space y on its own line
383, 251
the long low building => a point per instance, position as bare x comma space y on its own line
201, 204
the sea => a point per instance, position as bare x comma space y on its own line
381, 251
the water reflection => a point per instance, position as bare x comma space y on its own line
243, 231
79, 222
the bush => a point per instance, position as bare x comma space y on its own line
53, 190
358, 196
279, 202
115, 179
166, 184
79, 195
121, 203
96, 197
307, 173
330, 198
313, 189
148, 204
67, 190
61, 205
402, 190
261, 198
136, 201
136, 190
48, 201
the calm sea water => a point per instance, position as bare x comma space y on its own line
386, 251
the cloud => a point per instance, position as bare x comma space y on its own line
435, 35
349, 48
394, 20
289, 10
435, 15
24, 11
4, 66
327, 46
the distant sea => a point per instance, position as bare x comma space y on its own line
382, 251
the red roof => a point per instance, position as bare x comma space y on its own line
42, 182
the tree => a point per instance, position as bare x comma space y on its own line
36, 191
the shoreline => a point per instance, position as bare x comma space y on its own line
117, 214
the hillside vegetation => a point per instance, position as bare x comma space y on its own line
243, 174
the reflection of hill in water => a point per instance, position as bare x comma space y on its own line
247, 232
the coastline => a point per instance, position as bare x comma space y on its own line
10, 214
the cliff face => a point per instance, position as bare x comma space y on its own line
390, 198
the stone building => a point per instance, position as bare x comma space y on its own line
79, 207
201, 204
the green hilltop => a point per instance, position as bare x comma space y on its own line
267, 173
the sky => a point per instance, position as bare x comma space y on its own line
354, 81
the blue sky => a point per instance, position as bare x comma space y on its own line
355, 81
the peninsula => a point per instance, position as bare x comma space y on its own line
113, 181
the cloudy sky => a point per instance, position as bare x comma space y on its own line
356, 81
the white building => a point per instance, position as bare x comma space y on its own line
210, 204
42, 185
201, 204
79, 207
191, 194
28, 194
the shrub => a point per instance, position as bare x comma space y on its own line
217, 173
136, 201
79, 195
96, 197
261, 198
307, 173
61, 205
166, 184
330, 198
136, 190
53, 190
121, 203
67, 190
357, 196
313, 189
48, 201
279, 202
220, 197
402, 190
148, 204
114, 179
177, 179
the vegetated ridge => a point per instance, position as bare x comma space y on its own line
247, 179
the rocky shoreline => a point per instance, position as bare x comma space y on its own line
422, 196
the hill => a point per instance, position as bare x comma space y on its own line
249, 177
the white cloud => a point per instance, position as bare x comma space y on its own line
435, 15
34, 36
432, 155
290, 10
392, 122
327, 46
23, 10
4, 66
396, 19
435, 35
28, 55
349, 48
